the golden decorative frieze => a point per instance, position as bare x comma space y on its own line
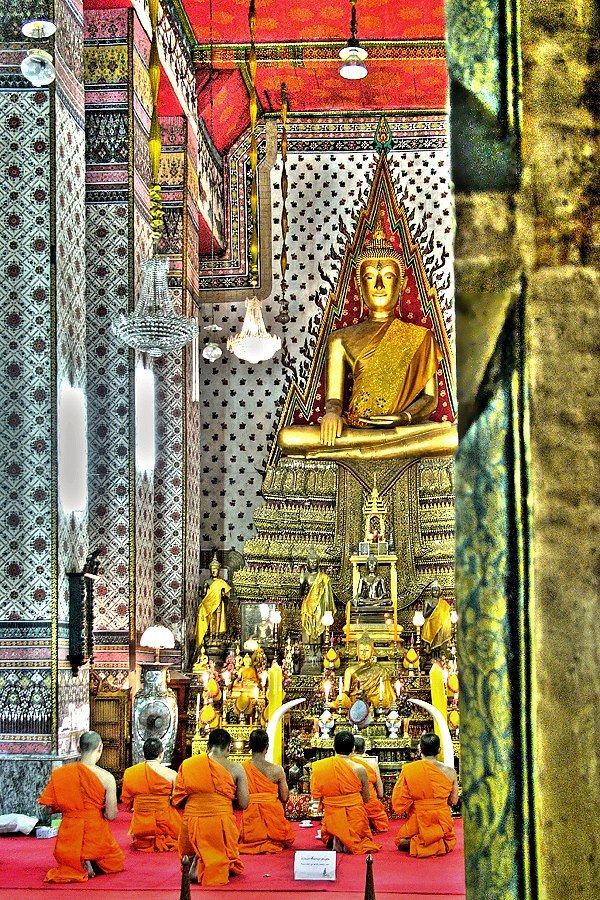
105, 65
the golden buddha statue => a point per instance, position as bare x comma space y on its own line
394, 366
317, 598
368, 677
211, 615
437, 629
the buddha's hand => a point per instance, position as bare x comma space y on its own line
402, 418
331, 428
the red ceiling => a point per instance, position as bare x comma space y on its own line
315, 20
399, 77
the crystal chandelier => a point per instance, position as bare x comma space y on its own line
254, 343
154, 327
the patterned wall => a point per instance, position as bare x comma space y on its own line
328, 184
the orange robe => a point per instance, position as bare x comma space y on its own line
344, 815
208, 828
264, 826
155, 825
374, 808
422, 791
84, 833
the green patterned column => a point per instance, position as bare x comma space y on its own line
493, 640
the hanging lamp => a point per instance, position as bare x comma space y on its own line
154, 327
352, 55
253, 343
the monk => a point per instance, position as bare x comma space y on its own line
86, 795
264, 826
374, 808
421, 794
147, 789
343, 787
207, 785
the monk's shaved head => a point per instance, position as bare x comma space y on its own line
89, 741
359, 743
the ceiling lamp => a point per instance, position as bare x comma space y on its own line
211, 350
154, 327
352, 55
254, 343
37, 67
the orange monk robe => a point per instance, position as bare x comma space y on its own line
84, 833
344, 816
155, 825
422, 791
208, 828
264, 826
374, 808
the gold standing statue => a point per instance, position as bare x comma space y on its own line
317, 598
394, 366
211, 615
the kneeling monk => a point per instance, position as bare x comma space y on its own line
207, 784
374, 808
147, 789
343, 787
422, 793
86, 795
264, 826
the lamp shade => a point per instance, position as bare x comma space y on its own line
353, 62
157, 637
418, 619
327, 619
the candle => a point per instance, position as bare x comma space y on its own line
197, 706
327, 688
224, 696
381, 689
398, 687
340, 687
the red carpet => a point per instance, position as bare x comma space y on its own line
25, 861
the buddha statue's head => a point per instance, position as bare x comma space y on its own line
371, 564
365, 648
380, 274
215, 566
312, 561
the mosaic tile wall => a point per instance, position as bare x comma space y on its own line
328, 185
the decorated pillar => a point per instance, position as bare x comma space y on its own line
43, 702
118, 104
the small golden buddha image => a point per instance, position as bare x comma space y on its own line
367, 676
393, 365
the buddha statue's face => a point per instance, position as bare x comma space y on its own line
214, 569
380, 282
364, 652
371, 564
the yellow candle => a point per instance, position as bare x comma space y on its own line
380, 689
